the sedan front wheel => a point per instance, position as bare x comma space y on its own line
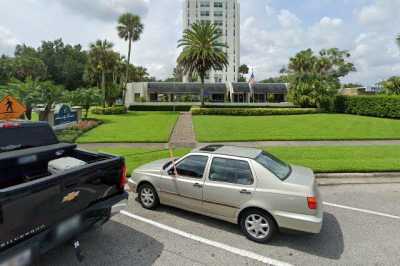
148, 197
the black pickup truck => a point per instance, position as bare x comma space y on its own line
40, 209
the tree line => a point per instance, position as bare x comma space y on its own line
57, 69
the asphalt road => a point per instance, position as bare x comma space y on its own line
349, 236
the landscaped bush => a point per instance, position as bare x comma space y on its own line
236, 106
160, 108
378, 106
253, 111
115, 110
70, 135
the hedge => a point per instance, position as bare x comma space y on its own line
378, 106
237, 106
253, 111
162, 108
115, 110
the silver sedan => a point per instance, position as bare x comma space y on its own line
246, 186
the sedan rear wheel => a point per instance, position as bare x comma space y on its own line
148, 197
258, 226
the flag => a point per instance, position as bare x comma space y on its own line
252, 84
252, 80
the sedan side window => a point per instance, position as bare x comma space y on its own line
192, 166
231, 171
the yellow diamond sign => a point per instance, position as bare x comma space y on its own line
10, 108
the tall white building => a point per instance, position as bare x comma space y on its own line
226, 15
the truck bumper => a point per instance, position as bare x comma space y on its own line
28, 251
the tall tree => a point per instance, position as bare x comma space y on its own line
7, 69
129, 28
66, 63
243, 70
85, 97
313, 77
202, 51
100, 56
391, 86
24, 91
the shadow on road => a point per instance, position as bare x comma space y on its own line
328, 244
113, 244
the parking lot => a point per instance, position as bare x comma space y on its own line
361, 227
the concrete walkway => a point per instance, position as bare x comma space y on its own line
183, 134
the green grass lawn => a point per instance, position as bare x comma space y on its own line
342, 159
132, 127
320, 159
137, 157
294, 127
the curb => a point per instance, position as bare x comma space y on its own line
334, 179
358, 175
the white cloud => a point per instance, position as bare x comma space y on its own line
380, 14
105, 10
287, 19
7, 41
328, 32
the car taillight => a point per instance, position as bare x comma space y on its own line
9, 125
312, 203
122, 179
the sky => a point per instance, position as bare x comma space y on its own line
272, 31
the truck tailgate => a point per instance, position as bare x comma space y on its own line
30, 208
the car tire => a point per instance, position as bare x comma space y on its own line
258, 226
148, 197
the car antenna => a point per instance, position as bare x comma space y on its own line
171, 154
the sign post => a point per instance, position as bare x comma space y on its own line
10, 108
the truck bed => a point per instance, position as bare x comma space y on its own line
33, 200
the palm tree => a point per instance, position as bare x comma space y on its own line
129, 28
99, 59
202, 51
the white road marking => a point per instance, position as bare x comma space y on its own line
363, 210
237, 251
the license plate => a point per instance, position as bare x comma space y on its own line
68, 227
21, 259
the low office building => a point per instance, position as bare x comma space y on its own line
236, 92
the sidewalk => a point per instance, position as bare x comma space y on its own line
183, 134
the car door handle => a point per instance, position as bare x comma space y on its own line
198, 185
245, 191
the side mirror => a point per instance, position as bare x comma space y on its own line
171, 172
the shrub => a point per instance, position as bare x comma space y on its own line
162, 108
250, 106
70, 135
378, 106
253, 111
115, 110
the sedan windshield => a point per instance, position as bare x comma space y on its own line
279, 168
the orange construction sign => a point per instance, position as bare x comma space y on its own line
10, 108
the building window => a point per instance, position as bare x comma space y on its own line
218, 4
204, 13
218, 23
218, 13
219, 31
204, 4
